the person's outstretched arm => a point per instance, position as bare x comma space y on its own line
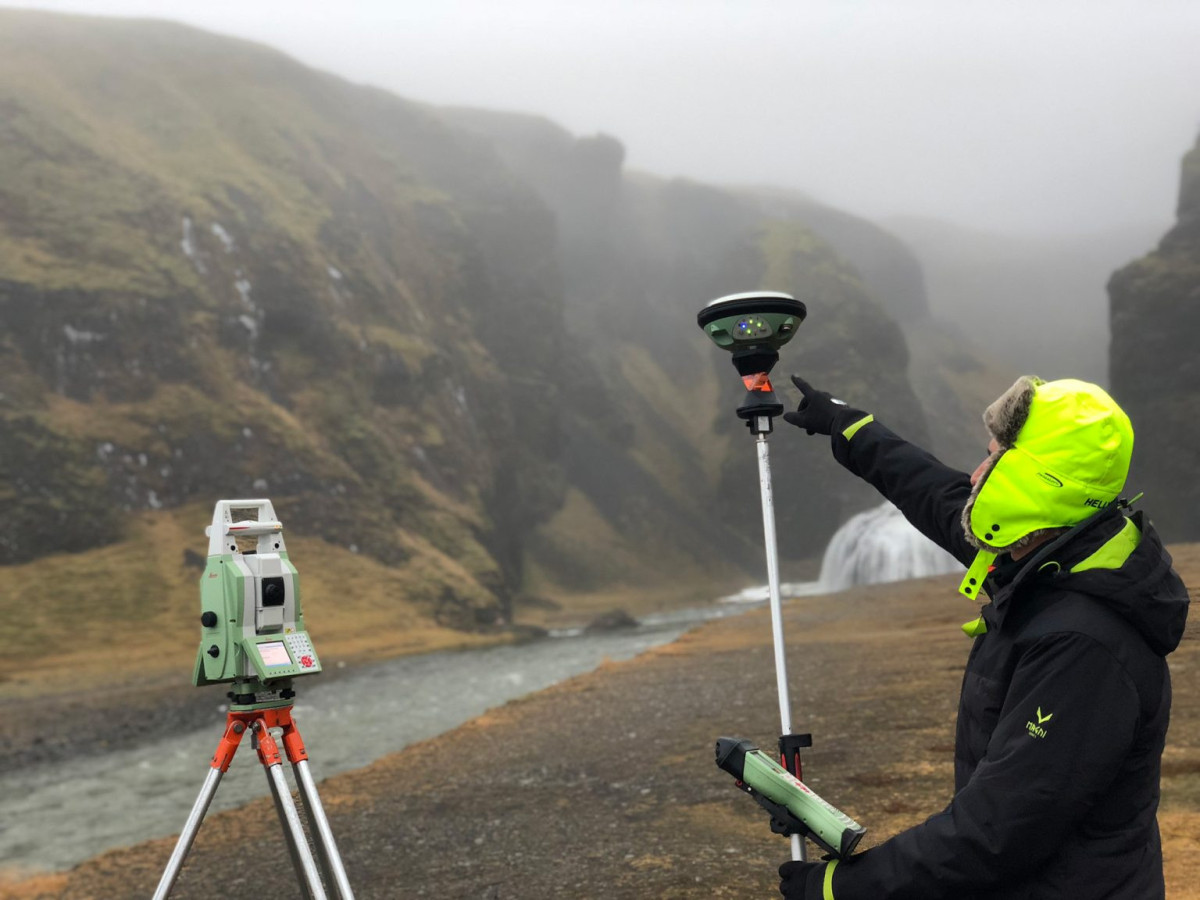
930, 494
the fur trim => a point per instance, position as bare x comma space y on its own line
1008, 413
975, 489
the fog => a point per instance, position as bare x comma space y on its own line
1027, 117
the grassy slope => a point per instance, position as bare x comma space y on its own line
148, 110
582, 556
129, 611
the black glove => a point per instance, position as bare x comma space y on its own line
802, 880
817, 411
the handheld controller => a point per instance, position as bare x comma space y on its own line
795, 808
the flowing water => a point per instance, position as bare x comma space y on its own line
54, 816
880, 545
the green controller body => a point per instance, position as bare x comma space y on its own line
794, 807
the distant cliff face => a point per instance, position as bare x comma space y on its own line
1155, 366
224, 274
641, 256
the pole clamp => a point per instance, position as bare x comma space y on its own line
790, 746
760, 424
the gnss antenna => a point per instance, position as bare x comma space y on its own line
753, 326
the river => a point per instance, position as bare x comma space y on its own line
55, 816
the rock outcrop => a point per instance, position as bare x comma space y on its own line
1155, 367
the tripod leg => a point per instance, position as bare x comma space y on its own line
289, 837
331, 860
318, 842
188, 835
234, 729
327, 851
302, 858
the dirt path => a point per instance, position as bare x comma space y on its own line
605, 786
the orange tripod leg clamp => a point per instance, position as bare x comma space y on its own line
236, 724
293, 744
268, 750
235, 728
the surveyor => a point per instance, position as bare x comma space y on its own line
1066, 696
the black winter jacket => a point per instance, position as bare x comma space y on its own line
1063, 713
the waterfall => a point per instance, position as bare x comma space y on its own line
880, 545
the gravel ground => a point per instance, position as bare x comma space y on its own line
41, 730
605, 786
59, 727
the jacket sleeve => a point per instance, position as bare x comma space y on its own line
930, 494
1066, 726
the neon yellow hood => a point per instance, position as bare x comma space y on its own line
1064, 449
1064, 455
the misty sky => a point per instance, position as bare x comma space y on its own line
1022, 116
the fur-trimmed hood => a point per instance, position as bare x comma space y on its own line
1063, 454
1007, 414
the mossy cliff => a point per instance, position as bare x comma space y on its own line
225, 274
1155, 367
641, 256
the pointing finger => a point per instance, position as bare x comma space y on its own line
805, 387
